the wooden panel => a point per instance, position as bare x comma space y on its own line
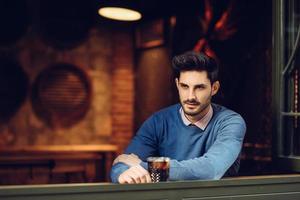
60, 148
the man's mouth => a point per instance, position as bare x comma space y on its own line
192, 104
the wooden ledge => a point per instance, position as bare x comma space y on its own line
60, 148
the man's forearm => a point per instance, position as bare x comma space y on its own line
192, 170
212, 165
123, 163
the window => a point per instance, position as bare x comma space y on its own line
286, 83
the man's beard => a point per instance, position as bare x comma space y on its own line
200, 107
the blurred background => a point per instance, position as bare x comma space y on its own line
75, 86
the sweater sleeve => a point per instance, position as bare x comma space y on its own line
220, 156
116, 171
144, 145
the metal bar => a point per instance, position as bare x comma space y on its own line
289, 66
292, 114
278, 78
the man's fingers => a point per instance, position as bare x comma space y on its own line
136, 178
144, 174
125, 178
135, 174
143, 179
148, 178
121, 179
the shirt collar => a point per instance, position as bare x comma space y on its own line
202, 123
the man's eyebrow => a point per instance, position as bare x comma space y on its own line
201, 85
181, 83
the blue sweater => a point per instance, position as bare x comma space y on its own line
195, 154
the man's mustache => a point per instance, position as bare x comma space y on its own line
193, 102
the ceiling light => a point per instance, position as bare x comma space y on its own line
118, 13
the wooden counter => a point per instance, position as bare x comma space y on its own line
91, 162
59, 148
247, 188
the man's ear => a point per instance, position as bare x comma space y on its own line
215, 88
177, 82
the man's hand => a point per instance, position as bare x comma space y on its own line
135, 174
129, 159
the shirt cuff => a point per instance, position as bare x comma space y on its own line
116, 171
144, 165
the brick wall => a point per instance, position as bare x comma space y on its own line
107, 58
123, 89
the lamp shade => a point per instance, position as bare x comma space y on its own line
121, 10
119, 13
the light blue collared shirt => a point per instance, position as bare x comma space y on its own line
202, 123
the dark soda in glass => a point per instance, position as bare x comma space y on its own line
158, 168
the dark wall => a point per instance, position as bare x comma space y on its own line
153, 82
239, 35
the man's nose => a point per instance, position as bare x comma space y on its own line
192, 94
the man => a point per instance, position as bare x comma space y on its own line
202, 139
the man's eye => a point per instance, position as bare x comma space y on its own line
184, 86
200, 87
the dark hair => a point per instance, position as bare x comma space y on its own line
191, 60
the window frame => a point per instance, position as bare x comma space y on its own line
283, 145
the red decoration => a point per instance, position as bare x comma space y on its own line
223, 29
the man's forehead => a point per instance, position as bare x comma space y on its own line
194, 72
199, 77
